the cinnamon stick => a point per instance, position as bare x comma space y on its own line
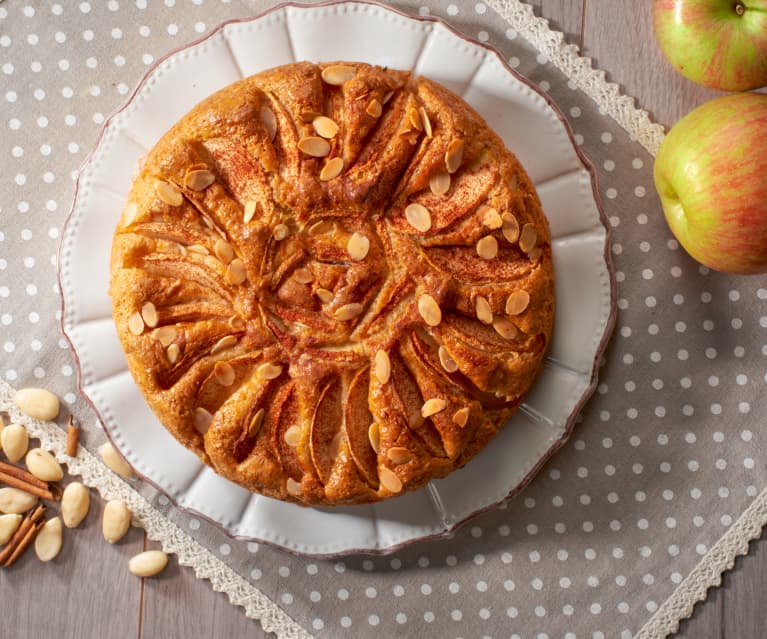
34, 489
23, 475
24, 544
73, 436
27, 524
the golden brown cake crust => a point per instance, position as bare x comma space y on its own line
333, 282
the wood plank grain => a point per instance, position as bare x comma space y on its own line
563, 15
706, 620
618, 34
744, 594
82, 593
198, 611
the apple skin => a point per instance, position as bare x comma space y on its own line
711, 175
720, 44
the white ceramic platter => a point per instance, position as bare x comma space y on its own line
530, 125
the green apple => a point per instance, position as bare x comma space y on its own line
720, 44
711, 175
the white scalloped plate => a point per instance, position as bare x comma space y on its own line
530, 125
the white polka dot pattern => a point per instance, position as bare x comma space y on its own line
662, 461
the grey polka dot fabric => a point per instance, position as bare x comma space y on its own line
664, 459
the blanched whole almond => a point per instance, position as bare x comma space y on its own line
49, 540
75, 503
43, 465
8, 526
14, 501
116, 521
15, 441
148, 563
37, 403
114, 461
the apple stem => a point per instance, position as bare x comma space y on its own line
740, 8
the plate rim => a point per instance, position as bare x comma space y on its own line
586, 163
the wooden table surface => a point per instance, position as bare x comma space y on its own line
37, 600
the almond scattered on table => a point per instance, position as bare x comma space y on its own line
37, 403
75, 503
43, 465
115, 522
49, 540
14, 501
148, 563
8, 525
15, 442
23, 525
114, 460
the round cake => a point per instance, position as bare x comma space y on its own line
333, 282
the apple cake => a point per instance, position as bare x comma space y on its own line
333, 282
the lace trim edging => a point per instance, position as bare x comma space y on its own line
708, 573
579, 70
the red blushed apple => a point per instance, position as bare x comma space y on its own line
711, 175
720, 44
